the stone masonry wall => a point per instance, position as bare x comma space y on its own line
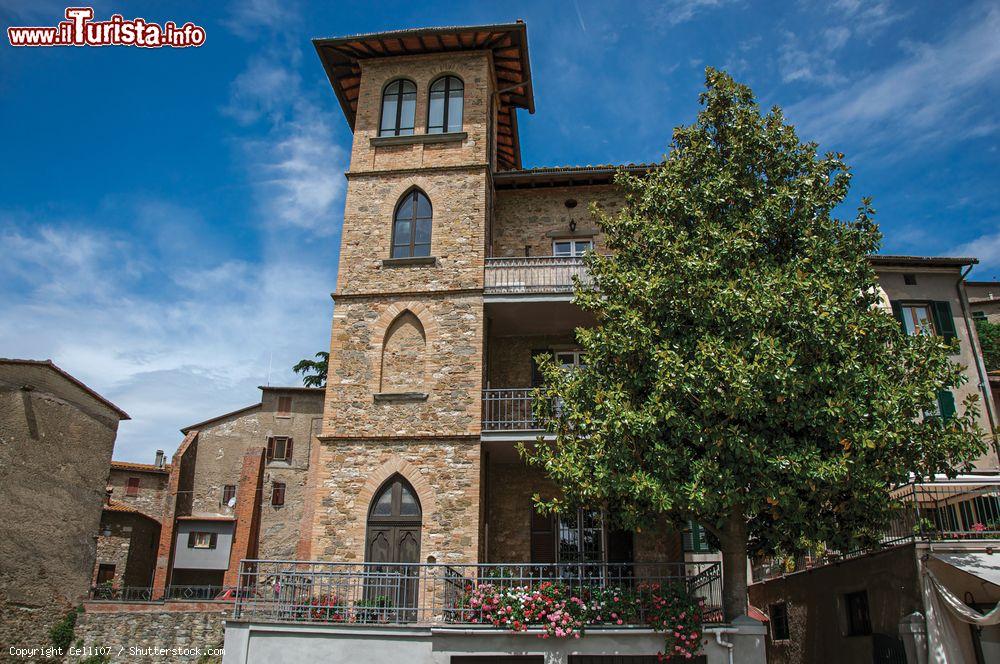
530, 217
510, 358
151, 490
143, 626
452, 368
475, 70
54, 460
458, 206
444, 473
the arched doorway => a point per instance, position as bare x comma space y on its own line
392, 547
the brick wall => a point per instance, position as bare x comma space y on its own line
510, 358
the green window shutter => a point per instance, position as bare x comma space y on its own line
944, 322
897, 312
946, 404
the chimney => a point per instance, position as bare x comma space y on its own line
107, 495
159, 458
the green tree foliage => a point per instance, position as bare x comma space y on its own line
740, 371
314, 371
62, 632
989, 339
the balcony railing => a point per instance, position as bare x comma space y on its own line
959, 510
179, 593
418, 593
533, 275
509, 410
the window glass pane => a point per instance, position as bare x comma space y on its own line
408, 112
402, 232
384, 505
455, 111
562, 248
401, 251
583, 246
435, 117
421, 250
423, 231
405, 210
423, 206
388, 116
438, 85
917, 320
408, 503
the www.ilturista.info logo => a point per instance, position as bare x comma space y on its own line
79, 29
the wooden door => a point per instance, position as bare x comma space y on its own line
392, 546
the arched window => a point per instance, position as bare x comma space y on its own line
411, 226
444, 113
399, 106
393, 534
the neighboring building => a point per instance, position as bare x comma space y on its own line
257, 457
984, 299
56, 440
130, 529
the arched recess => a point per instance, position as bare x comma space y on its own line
404, 355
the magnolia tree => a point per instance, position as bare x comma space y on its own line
741, 372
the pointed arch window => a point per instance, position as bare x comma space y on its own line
399, 107
411, 226
444, 111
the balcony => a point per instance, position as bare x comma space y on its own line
533, 275
368, 594
964, 511
506, 410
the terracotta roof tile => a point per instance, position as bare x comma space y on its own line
139, 467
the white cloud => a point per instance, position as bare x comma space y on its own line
191, 347
248, 18
814, 62
675, 12
987, 249
934, 93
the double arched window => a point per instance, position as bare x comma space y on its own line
411, 226
399, 106
444, 112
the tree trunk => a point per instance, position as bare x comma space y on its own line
733, 538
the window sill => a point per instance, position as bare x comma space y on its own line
404, 262
399, 397
450, 137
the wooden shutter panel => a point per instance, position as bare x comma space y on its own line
946, 404
288, 449
213, 540
897, 312
191, 540
543, 538
944, 322
270, 448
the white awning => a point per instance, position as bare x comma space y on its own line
986, 566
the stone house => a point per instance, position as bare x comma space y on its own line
56, 440
130, 526
236, 486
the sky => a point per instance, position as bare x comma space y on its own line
170, 218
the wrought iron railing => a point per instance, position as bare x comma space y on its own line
418, 593
509, 410
180, 593
534, 274
958, 510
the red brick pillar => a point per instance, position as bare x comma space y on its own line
164, 552
249, 495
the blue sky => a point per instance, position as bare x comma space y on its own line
169, 219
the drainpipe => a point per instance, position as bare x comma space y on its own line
719, 632
984, 381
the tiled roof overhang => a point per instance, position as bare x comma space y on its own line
565, 176
140, 467
889, 260
508, 42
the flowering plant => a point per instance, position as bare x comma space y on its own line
562, 611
